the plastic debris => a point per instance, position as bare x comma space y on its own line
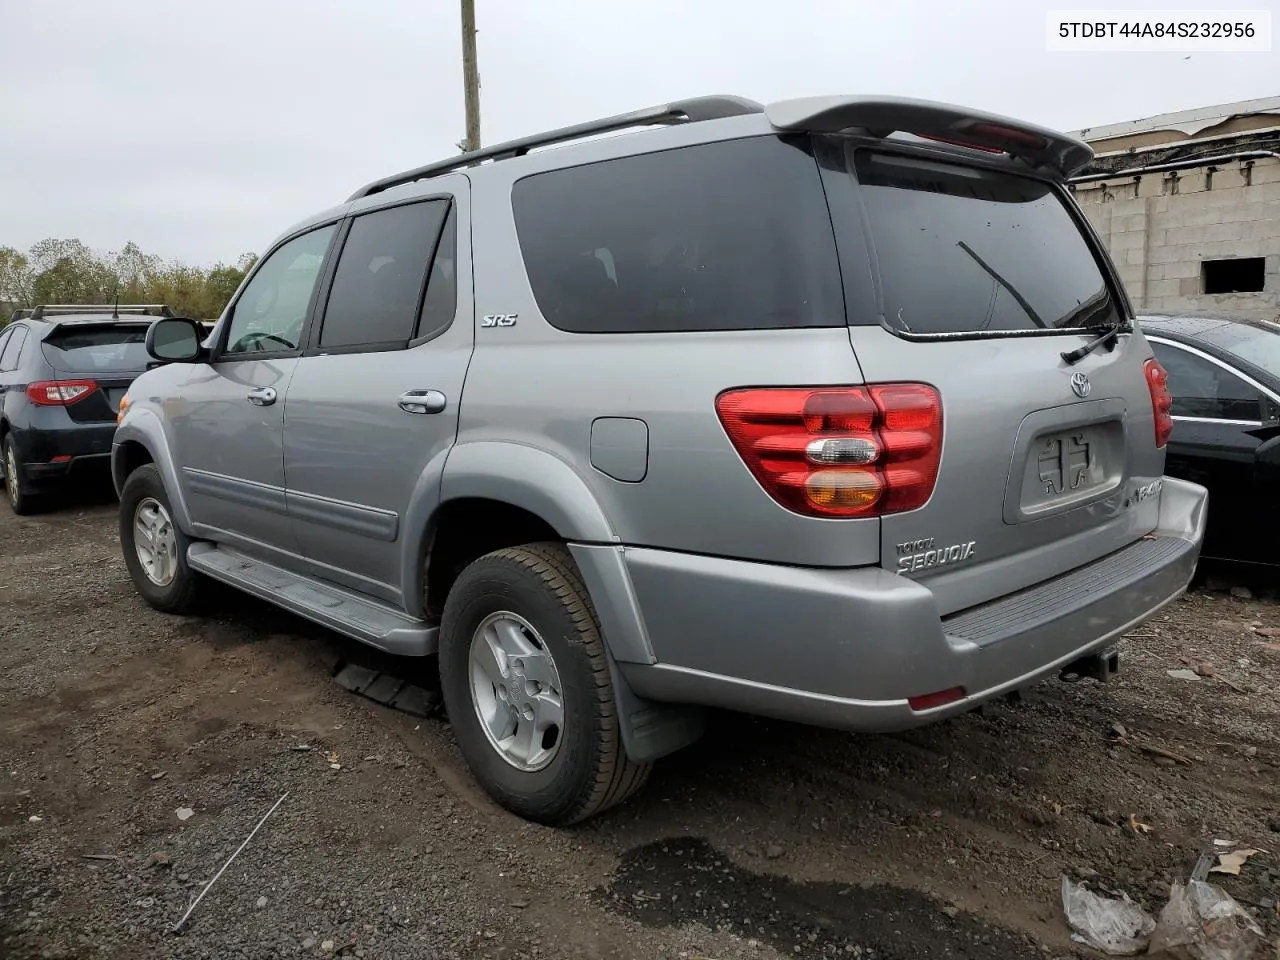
1202, 922
1184, 675
1120, 928
185, 813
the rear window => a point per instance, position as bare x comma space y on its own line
86, 350
722, 236
962, 250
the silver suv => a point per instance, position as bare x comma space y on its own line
830, 410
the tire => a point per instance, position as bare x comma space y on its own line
144, 497
589, 770
19, 496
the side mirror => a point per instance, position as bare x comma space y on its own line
1268, 411
175, 340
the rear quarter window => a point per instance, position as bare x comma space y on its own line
733, 235
10, 346
964, 250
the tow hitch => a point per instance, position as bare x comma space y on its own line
1101, 666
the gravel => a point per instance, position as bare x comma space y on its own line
779, 840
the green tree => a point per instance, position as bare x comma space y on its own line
220, 284
135, 271
16, 279
181, 287
68, 271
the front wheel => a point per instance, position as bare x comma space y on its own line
155, 550
526, 685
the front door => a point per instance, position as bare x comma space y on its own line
372, 409
1216, 415
228, 415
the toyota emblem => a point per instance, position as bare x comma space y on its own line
1080, 385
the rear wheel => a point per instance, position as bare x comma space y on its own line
155, 550
21, 500
526, 685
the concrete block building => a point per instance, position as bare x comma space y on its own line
1189, 206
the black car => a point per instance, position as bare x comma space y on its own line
63, 370
1225, 379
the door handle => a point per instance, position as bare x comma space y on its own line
262, 396
423, 401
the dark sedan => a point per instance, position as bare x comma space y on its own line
63, 370
1225, 379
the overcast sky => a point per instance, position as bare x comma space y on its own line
200, 130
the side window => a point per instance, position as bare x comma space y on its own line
381, 273
9, 356
1204, 389
440, 304
4, 340
720, 236
270, 313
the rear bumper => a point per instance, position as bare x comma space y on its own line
49, 452
846, 649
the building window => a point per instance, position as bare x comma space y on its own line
1238, 275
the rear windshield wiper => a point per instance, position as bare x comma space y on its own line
1109, 334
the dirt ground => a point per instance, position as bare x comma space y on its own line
765, 840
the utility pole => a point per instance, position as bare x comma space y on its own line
470, 76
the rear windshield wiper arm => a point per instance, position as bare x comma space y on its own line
1109, 334
995, 275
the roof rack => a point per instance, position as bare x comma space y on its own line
40, 311
679, 111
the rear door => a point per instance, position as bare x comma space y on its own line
375, 399
109, 355
975, 281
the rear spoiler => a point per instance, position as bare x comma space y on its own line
1040, 147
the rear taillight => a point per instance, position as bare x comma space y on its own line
1161, 400
59, 393
839, 451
